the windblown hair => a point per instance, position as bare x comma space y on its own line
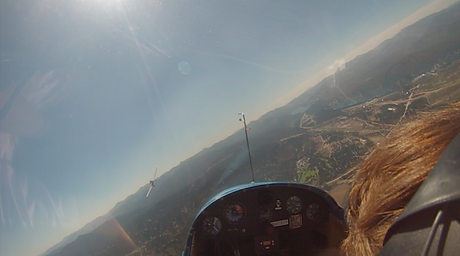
386, 181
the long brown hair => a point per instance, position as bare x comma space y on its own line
386, 181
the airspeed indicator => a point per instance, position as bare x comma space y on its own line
234, 212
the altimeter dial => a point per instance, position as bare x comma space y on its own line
294, 205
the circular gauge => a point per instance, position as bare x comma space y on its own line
212, 225
234, 212
293, 205
265, 215
313, 211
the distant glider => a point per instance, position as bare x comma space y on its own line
152, 182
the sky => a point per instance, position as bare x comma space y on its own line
95, 94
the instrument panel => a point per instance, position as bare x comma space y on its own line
250, 212
264, 218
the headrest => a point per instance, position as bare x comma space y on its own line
429, 225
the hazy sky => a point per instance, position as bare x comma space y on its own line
94, 94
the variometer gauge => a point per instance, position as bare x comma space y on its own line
294, 205
313, 211
212, 226
234, 212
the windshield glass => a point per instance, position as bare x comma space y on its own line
106, 101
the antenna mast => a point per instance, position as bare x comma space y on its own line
243, 119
